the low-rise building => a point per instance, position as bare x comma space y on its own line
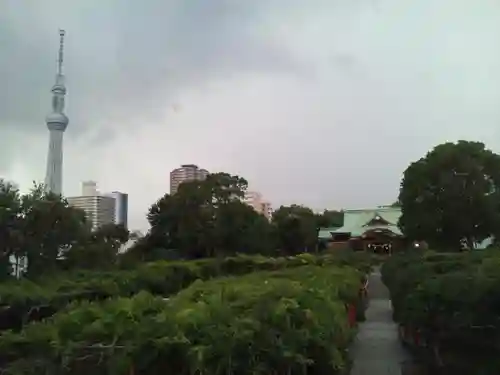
374, 229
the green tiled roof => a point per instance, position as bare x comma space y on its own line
325, 233
356, 222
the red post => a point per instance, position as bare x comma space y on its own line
416, 337
351, 314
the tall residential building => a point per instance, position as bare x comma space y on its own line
121, 208
255, 200
99, 209
187, 172
57, 123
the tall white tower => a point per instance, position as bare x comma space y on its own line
57, 122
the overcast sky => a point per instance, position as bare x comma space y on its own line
317, 102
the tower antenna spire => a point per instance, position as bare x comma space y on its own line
60, 59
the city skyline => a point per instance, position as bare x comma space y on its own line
310, 103
101, 208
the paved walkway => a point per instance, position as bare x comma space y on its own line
377, 350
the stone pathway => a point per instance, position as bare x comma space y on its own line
377, 350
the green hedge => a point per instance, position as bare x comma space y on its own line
25, 301
451, 304
284, 322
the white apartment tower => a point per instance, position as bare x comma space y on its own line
187, 172
99, 209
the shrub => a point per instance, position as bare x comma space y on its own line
25, 301
452, 301
282, 322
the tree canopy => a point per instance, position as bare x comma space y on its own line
98, 250
41, 230
297, 229
207, 218
202, 219
451, 197
50, 227
330, 219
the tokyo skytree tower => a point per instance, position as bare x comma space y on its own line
57, 123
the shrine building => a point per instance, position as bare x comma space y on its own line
373, 230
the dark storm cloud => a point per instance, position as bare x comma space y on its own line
23, 84
320, 102
124, 59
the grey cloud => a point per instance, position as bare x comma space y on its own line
23, 87
124, 59
342, 94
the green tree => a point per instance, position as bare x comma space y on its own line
44, 230
113, 235
10, 231
296, 229
239, 228
184, 220
97, 251
451, 197
206, 219
49, 227
330, 219
224, 188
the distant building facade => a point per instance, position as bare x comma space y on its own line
255, 200
99, 209
121, 208
186, 172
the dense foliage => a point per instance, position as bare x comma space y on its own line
296, 228
330, 219
25, 300
214, 287
207, 218
449, 303
451, 197
291, 321
42, 231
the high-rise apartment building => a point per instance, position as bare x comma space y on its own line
255, 200
121, 208
187, 172
99, 209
